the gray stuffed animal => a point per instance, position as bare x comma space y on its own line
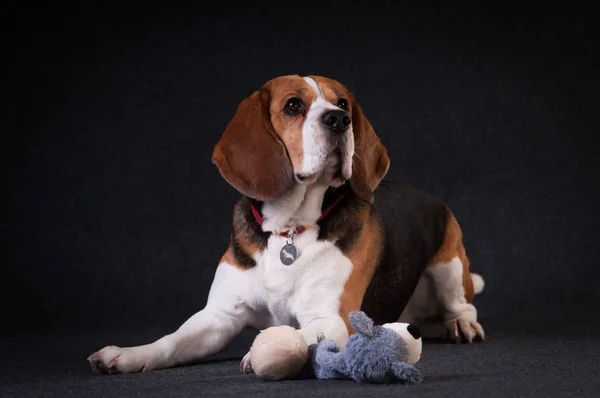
375, 354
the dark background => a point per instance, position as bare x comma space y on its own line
115, 218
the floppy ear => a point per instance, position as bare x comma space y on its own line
250, 155
370, 162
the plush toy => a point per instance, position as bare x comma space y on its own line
278, 353
374, 354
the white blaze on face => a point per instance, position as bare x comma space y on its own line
348, 153
318, 141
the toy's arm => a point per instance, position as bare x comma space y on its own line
405, 373
327, 346
328, 362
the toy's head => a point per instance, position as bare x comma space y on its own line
412, 337
278, 353
408, 333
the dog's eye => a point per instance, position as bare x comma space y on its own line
293, 106
343, 104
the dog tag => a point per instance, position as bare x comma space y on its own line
288, 254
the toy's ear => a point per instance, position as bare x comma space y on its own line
361, 323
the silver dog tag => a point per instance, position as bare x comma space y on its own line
288, 254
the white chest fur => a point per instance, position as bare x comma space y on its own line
312, 284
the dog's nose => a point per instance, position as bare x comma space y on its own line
336, 121
414, 331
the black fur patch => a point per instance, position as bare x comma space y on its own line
341, 224
246, 228
259, 236
414, 225
242, 258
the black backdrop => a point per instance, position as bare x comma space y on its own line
115, 218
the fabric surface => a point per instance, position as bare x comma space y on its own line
519, 359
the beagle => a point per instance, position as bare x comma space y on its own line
317, 234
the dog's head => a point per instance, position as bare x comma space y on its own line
298, 130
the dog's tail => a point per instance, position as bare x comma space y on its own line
478, 283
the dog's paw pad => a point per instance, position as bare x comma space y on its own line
115, 360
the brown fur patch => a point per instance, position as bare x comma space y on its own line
228, 258
333, 90
247, 246
289, 128
236, 257
452, 246
247, 238
364, 255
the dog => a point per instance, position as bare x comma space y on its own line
317, 234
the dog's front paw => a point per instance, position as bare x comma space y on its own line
114, 360
246, 364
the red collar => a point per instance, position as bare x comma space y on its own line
301, 228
